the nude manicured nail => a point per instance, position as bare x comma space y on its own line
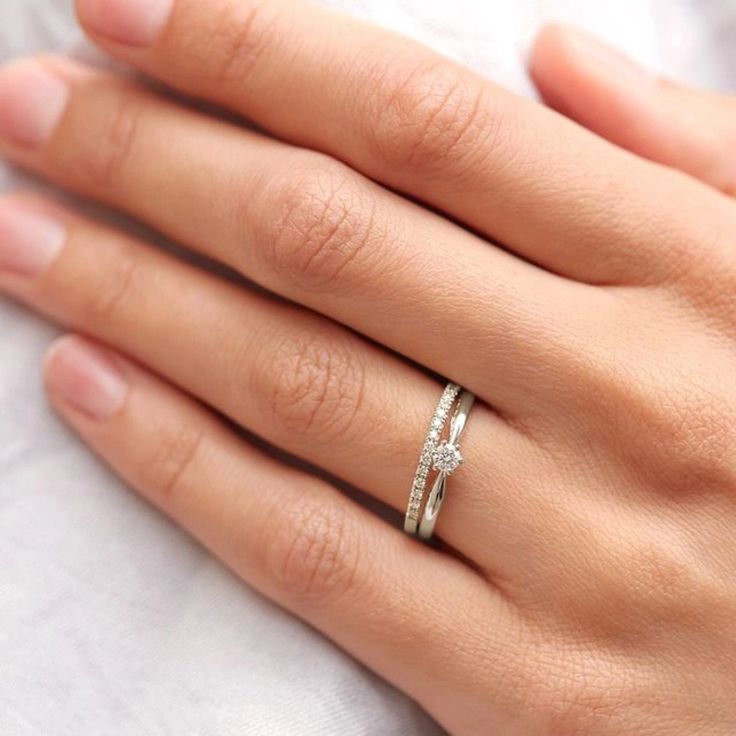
131, 22
85, 377
32, 101
29, 240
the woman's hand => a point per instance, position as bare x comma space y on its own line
584, 584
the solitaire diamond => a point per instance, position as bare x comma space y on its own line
446, 458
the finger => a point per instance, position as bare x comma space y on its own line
505, 166
291, 536
688, 129
312, 230
302, 383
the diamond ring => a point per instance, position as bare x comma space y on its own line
444, 457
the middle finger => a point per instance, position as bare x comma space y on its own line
312, 230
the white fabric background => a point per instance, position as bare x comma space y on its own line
111, 620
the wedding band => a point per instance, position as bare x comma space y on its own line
443, 456
446, 459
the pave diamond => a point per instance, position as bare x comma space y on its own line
426, 457
446, 458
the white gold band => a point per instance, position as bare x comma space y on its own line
444, 457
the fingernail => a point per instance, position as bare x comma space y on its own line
29, 240
132, 22
85, 377
32, 101
606, 57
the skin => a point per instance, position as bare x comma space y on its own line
415, 216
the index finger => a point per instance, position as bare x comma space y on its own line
418, 122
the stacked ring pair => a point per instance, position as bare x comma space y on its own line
440, 455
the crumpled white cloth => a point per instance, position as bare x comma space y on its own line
112, 622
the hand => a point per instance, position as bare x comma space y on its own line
584, 581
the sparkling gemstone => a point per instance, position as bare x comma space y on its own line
446, 458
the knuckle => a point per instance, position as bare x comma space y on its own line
638, 589
568, 686
240, 32
324, 223
660, 585
707, 278
690, 438
694, 260
578, 687
312, 385
715, 297
698, 433
663, 580
671, 429
165, 467
104, 300
104, 163
311, 551
595, 696
434, 116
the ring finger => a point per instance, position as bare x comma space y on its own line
297, 380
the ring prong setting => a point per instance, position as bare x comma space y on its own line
446, 458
